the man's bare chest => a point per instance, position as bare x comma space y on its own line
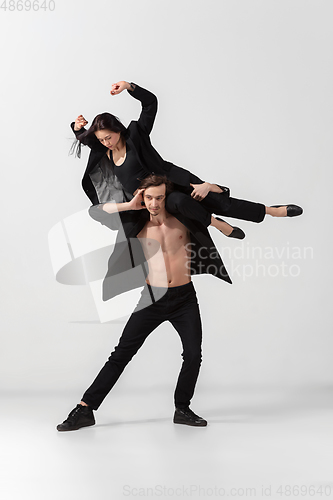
171, 238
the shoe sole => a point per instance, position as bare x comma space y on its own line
192, 424
75, 428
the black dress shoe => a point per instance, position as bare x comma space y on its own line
292, 210
188, 417
235, 233
81, 416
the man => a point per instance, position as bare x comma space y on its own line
168, 295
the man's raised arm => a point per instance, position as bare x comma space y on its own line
136, 203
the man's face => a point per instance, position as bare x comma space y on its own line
108, 138
154, 198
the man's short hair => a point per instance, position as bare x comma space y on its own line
157, 180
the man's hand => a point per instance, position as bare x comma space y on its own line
79, 123
200, 191
136, 203
119, 87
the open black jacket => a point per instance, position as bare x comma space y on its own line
139, 141
127, 267
206, 258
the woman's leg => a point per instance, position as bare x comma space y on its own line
246, 210
225, 228
276, 212
179, 202
284, 210
232, 207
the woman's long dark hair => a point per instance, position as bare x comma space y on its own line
104, 121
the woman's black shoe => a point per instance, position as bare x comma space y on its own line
235, 233
292, 210
81, 416
188, 417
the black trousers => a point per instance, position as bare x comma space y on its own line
214, 203
179, 306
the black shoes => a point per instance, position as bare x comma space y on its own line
81, 416
292, 210
188, 417
235, 233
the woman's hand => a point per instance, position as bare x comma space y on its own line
79, 123
119, 87
200, 191
136, 203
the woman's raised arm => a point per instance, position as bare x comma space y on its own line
148, 101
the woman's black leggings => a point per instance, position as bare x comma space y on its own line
214, 203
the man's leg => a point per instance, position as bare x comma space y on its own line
184, 315
137, 329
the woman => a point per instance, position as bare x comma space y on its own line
121, 157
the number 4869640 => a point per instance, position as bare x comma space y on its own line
26, 5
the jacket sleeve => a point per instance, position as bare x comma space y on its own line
149, 107
92, 142
78, 132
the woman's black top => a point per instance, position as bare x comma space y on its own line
118, 183
130, 172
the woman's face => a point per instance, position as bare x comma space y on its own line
108, 138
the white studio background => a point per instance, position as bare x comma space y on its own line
245, 99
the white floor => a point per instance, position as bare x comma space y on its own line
258, 444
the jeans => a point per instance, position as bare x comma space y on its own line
179, 306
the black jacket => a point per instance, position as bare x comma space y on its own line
127, 267
205, 257
139, 141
